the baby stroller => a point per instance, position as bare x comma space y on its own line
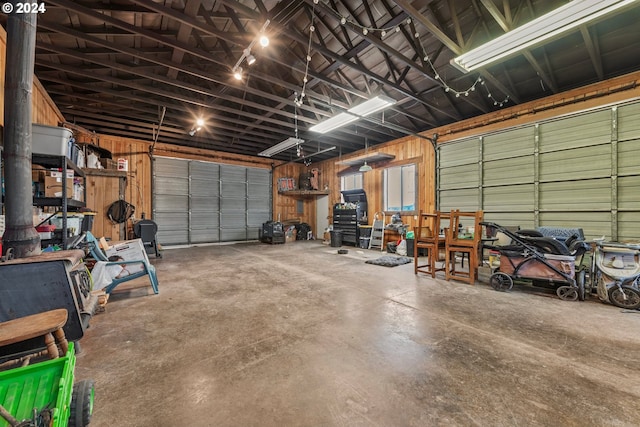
615, 273
544, 261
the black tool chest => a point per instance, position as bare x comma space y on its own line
348, 216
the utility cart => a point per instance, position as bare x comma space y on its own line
37, 388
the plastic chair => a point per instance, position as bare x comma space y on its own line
427, 236
456, 242
147, 268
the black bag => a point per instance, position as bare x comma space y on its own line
302, 230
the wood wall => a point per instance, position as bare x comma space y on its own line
406, 150
44, 111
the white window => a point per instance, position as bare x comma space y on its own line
400, 188
351, 181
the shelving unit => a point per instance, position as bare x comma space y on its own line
64, 202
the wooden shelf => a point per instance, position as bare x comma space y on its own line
305, 192
104, 172
369, 158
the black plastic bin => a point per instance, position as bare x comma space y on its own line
336, 238
410, 247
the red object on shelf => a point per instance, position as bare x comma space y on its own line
45, 228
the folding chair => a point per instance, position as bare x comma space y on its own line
147, 268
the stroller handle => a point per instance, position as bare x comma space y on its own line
602, 243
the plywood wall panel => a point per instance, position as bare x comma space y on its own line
101, 192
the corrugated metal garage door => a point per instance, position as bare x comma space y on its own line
204, 202
573, 171
171, 200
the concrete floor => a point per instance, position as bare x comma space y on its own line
297, 335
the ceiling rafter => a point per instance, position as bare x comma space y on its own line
594, 51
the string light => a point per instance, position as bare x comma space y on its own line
395, 29
298, 100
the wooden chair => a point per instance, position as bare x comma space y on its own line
47, 324
427, 236
464, 244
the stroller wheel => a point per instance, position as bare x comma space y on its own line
567, 293
501, 281
625, 297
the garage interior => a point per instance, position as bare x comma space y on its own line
159, 144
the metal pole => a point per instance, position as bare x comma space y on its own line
20, 234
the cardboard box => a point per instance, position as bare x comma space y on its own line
37, 173
108, 163
129, 250
50, 140
53, 187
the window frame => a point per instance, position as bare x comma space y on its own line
409, 162
349, 175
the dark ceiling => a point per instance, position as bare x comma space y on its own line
121, 67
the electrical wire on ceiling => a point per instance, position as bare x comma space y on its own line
448, 88
395, 29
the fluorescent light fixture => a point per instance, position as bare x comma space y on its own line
533, 33
371, 106
362, 110
333, 123
281, 146
365, 167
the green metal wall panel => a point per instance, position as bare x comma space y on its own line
516, 170
509, 198
575, 171
463, 199
629, 225
629, 122
509, 144
629, 194
578, 131
463, 176
584, 195
629, 157
457, 153
578, 163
